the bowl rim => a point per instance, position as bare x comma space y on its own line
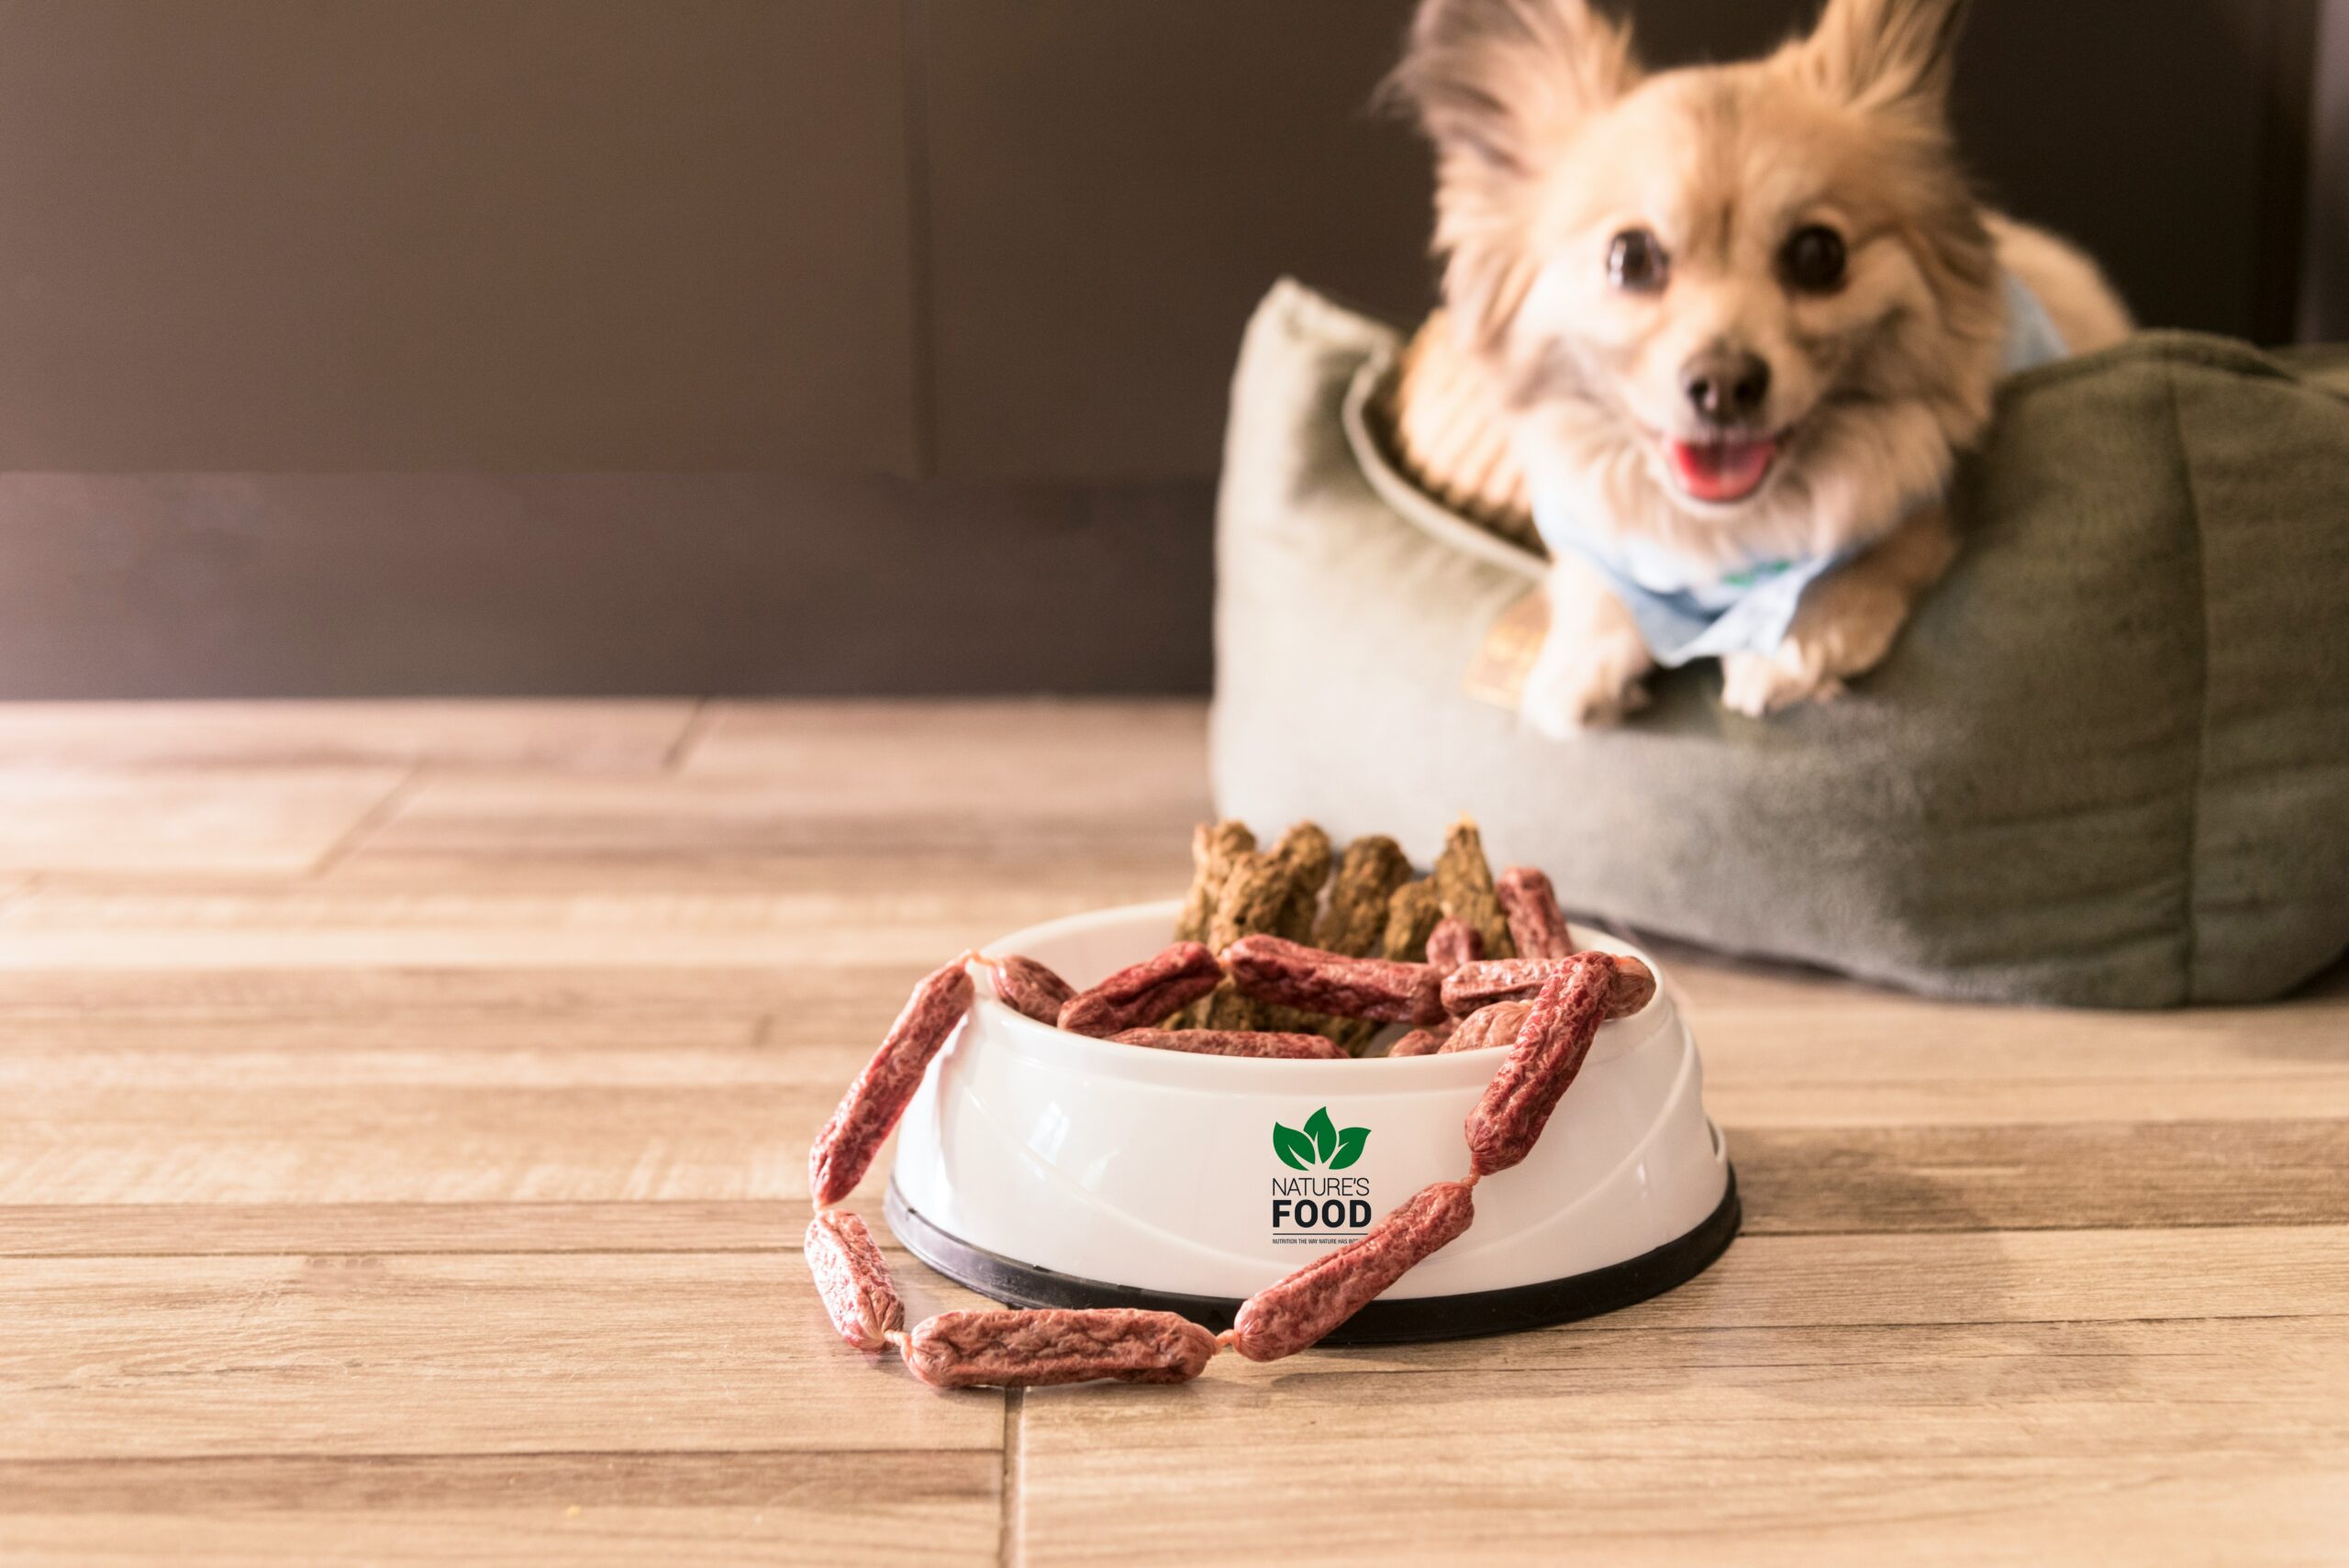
1058, 1048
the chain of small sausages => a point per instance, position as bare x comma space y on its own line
1547, 1006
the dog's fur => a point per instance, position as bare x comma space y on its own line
1551, 141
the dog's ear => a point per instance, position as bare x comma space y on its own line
1500, 86
1500, 81
1887, 53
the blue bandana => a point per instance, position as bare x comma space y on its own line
1687, 613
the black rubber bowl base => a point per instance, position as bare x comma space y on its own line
1413, 1322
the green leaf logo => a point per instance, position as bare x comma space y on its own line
1324, 1133
1323, 1142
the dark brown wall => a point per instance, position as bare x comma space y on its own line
2324, 309
886, 288
557, 234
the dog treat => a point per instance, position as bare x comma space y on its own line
1304, 852
1430, 1041
1255, 898
1464, 886
1142, 993
1548, 1050
1355, 921
878, 1097
1412, 915
1475, 986
1535, 922
1216, 849
1031, 1350
1026, 987
1453, 943
1368, 873
1235, 1043
1301, 1310
1290, 976
852, 1280
1488, 1027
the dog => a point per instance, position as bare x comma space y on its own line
1723, 332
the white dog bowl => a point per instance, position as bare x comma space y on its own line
1045, 1169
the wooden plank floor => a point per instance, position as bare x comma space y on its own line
403, 1160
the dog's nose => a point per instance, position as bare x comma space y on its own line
1727, 387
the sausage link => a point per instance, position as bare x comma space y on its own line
1285, 973
1431, 1041
1453, 943
1535, 922
1548, 1050
876, 1099
852, 1280
1236, 1042
1488, 1027
1144, 994
1299, 1311
1029, 1350
1026, 987
1475, 987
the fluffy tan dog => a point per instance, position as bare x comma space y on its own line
1720, 331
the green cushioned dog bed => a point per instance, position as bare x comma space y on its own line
2107, 765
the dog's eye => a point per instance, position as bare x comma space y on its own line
1814, 260
1636, 262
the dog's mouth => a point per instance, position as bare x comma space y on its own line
1723, 470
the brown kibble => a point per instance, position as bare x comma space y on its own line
1254, 901
1368, 873
1216, 849
1463, 884
1355, 920
1304, 854
1412, 915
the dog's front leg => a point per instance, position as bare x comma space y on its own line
1591, 663
1846, 622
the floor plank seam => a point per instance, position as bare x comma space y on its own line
1007, 1542
369, 823
697, 726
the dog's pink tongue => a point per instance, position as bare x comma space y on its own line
1722, 470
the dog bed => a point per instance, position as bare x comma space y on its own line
2107, 765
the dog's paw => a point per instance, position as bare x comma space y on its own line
1759, 685
1588, 689
1846, 626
